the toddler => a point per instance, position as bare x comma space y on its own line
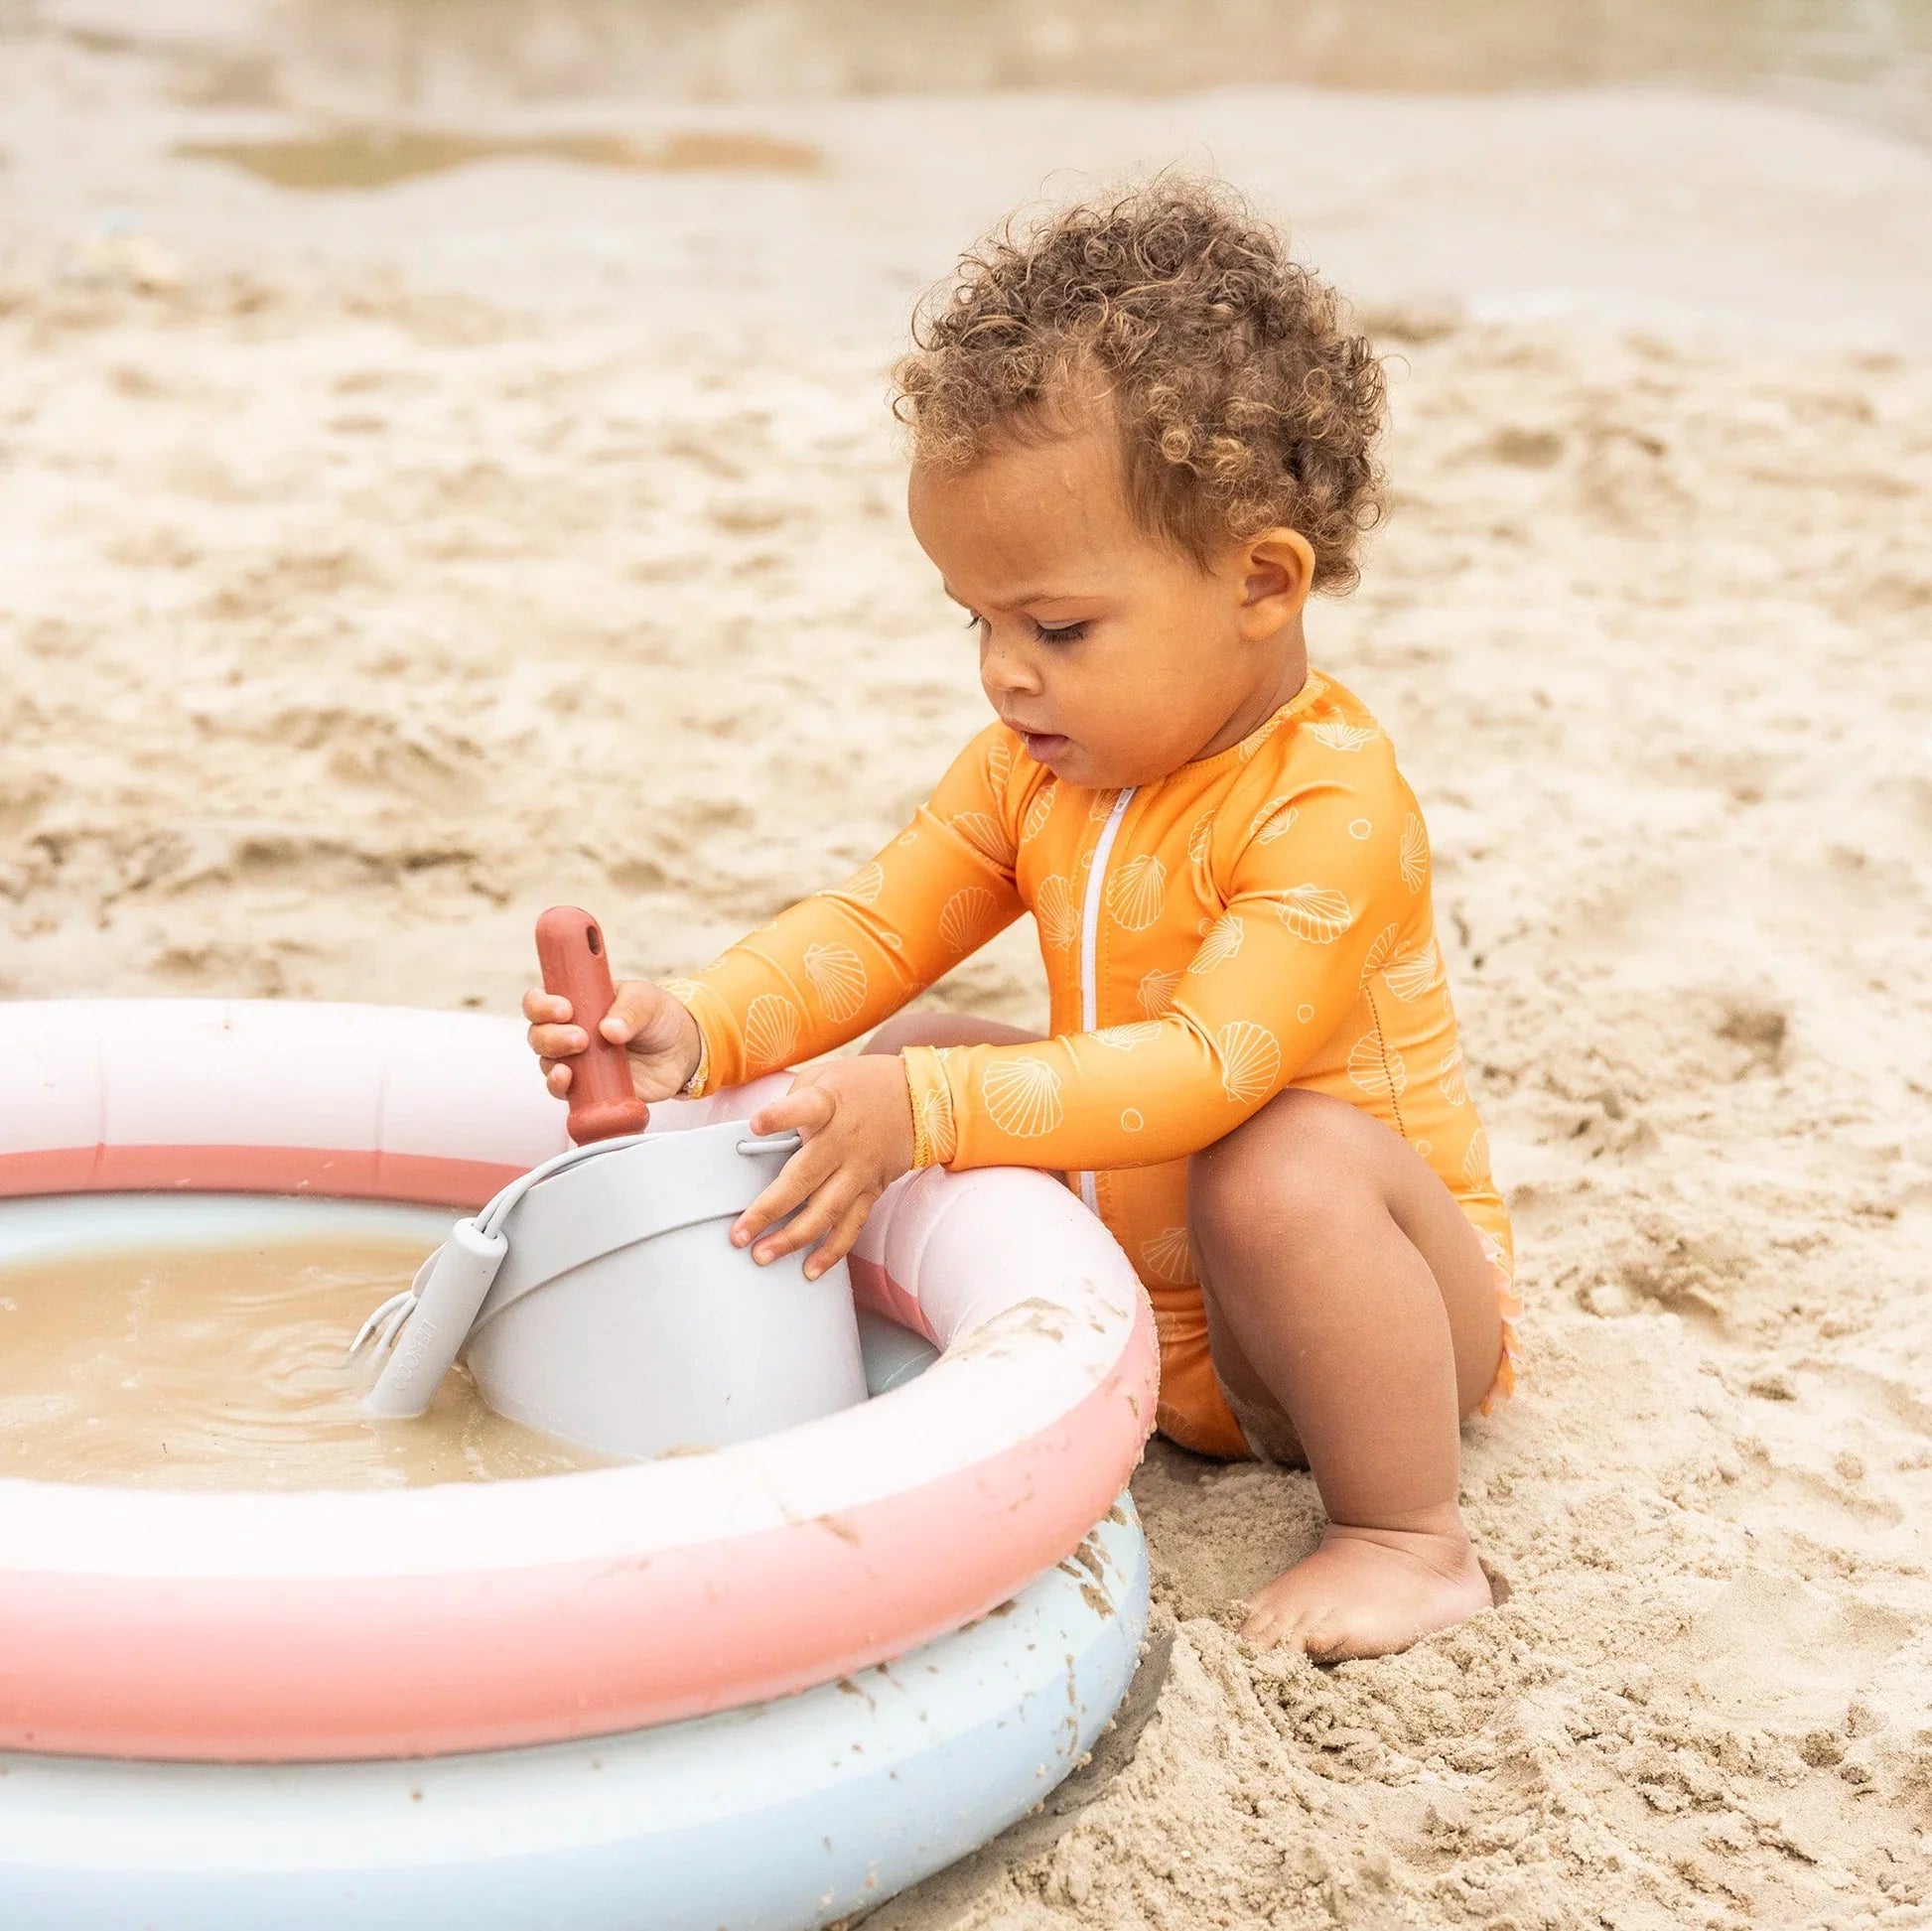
1141, 438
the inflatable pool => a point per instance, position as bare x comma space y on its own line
965, 1524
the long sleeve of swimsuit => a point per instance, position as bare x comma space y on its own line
832, 966
1316, 900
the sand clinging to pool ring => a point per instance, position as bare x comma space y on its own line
333, 1624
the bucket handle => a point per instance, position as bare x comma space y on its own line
778, 1143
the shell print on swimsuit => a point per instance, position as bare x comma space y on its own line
838, 976
1266, 912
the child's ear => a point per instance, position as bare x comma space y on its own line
1277, 572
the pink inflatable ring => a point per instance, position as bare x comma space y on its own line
333, 1624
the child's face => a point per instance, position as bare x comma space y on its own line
1116, 656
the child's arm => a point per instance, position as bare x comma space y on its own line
832, 966
1312, 911
1317, 901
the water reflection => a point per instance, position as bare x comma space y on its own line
1872, 61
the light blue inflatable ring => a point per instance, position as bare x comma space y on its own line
780, 1816
775, 1816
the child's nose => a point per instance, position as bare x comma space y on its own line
1005, 667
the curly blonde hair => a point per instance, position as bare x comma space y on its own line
1242, 400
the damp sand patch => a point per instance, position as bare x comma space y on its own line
379, 157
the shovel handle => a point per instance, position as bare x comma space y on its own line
575, 967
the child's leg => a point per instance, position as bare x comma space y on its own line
1352, 1313
945, 1029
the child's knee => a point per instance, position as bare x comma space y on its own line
944, 1029
903, 1030
1292, 1164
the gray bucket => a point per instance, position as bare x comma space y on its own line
623, 1318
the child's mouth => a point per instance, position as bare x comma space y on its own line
1043, 747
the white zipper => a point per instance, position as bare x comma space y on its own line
1090, 945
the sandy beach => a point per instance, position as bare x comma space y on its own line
379, 563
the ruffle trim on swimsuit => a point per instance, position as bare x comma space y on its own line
1510, 1305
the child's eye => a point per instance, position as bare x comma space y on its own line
1047, 633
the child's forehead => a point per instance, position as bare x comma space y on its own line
1026, 521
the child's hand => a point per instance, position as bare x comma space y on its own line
857, 1119
661, 1035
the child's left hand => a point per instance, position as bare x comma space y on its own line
857, 1119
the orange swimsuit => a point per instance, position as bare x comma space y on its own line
1258, 920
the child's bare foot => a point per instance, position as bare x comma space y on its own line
1369, 1593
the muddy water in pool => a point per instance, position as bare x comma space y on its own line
224, 1367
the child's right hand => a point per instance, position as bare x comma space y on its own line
655, 1027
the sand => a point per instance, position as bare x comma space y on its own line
380, 566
